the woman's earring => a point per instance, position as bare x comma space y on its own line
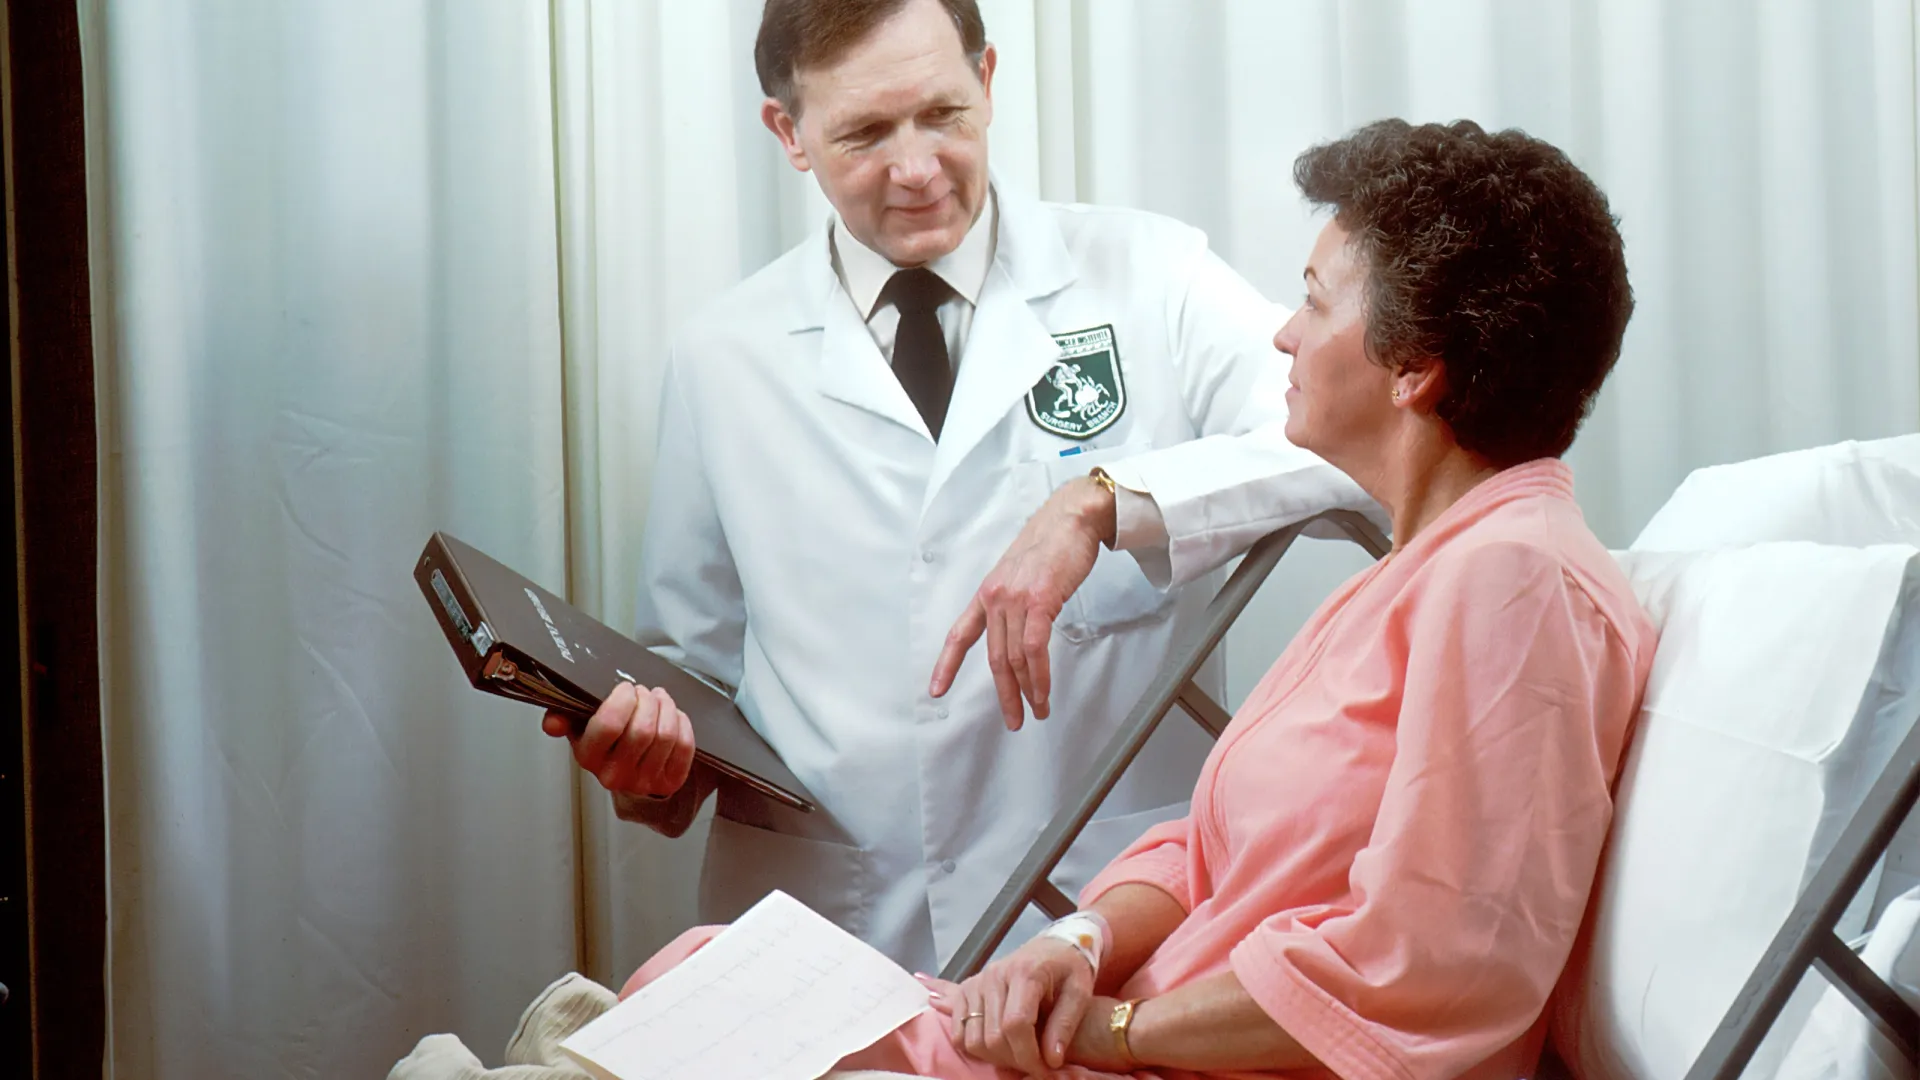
1398, 393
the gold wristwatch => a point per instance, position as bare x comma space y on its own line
1118, 1023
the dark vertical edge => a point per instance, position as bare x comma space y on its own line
56, 531
16, 1033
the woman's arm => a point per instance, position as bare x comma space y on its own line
1209, 1025
1140, 917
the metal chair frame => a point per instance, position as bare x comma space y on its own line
1806, 940
1030, 882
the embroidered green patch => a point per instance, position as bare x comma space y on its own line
1083, 393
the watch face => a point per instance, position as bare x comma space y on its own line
1122, 1019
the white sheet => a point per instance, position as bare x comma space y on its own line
1850, 493
1784, 676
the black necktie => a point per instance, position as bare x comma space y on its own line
920, 359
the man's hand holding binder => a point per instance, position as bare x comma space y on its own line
629, 713
637, 742
639, 745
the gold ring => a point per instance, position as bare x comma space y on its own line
973, 1016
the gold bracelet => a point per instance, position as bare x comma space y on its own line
1100, 477
1118, 1023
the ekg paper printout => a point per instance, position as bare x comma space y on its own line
782, 994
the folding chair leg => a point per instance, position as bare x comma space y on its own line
1892, 1017
1807, 939
1048, 898
1205, 711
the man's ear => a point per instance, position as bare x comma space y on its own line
988, 59
787, 129
1420, 384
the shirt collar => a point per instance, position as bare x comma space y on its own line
865, 272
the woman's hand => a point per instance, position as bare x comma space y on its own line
997, 1015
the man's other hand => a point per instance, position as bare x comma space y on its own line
638, 742
1016, 606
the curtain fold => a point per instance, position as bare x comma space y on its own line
330, 326
666, 199
367, 268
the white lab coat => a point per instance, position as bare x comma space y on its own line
809, 543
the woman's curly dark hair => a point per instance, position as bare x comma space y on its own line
1495, 255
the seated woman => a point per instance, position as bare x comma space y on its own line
1390, 850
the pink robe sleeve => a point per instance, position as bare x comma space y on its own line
1158, 858
1468, 894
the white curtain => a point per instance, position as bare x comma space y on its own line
368, 268
328, 304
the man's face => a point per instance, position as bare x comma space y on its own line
896, 133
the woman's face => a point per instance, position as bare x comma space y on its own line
1339, 403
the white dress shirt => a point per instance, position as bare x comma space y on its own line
864, 273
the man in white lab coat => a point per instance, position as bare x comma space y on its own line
906, 433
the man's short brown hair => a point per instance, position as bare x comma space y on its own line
797, 34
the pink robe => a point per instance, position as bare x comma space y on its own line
1393, 843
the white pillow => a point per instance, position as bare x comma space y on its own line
1850, 493
1784, 676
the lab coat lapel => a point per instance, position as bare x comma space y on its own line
851, 368
1008, 348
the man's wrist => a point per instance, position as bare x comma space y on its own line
1098, 511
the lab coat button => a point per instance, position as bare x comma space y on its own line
926, 556
949, 866
941, 712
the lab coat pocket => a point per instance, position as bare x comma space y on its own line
1116, 594
744, 863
